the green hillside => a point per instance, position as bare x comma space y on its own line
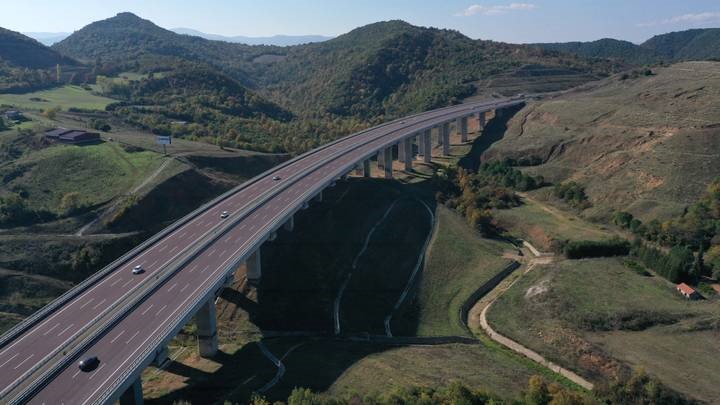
609, 48
21, 51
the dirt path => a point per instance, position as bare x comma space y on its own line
277, 362
478, 317
419, 262
341, 291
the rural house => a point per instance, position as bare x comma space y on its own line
687, 291
73, 136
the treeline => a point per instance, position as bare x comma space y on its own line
592, 248
473, 195
693, 237
636, 388
572, 193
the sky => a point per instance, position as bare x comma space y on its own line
519, 21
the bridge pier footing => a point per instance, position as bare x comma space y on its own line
207, 329
463, 129
366, 168
133, 395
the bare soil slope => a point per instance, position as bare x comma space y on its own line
645, 144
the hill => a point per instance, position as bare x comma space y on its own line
605, 48
277, 40
21, 51
688, 45
639, 143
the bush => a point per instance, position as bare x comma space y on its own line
590, 248
572, 193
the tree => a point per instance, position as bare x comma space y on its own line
58, 73
51, 112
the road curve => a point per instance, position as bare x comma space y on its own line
191, 261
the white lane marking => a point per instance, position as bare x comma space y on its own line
23, 362
132, 337
153, 263
173, 249
86, 303
223, 253
9, 360
51, 329
242, 227
252, 227
186, 286
147, 309
193, 269
172, 287
117, 280
66, 329
182, 235
212, 252
99, 303
96, 371
205, 269
127, 283
162, 249
118, 335
76, 374
161, 309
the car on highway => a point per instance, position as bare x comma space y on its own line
276, 178
224, 214
89, 363
138, 269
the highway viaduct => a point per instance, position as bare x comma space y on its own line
127, 320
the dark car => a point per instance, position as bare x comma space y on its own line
89, 364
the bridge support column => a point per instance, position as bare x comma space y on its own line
207, 329
445, 135
499, 113
439, 134
290, 224
133, 394
401, 150
463, 129
427, 141
481, 121
161, 355
366, 168
387, 164
381, 159
318, 197
252, 263
407, 158
421, 145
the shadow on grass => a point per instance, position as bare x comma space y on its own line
493, 132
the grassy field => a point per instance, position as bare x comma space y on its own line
546, 226
586, 314
63, 97
458, 262
98, 172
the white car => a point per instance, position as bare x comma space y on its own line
138, 269
224, 214
276, 178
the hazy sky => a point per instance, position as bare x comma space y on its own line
518, 21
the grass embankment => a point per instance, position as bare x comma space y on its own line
458, 263
63, 97
547, 227
577, 313
97, 172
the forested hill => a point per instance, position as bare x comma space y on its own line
20, 51
393, 68
689, 45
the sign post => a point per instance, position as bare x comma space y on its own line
163, 140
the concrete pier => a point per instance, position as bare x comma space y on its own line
254, 271
380, 160
462, 124
366, 168
387, 162
318, 197
290, 224
133, 395
207, 329
445, 136
401, 151
407, 157
427, 142
161, 355
481, 121
421, 145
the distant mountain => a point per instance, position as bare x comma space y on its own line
19, 50
47, 38
276, 40
695, 44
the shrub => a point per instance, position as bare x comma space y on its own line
572, 193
